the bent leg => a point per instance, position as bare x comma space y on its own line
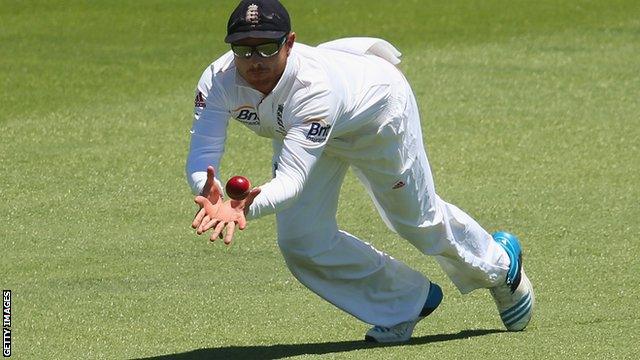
405, 198
336, 265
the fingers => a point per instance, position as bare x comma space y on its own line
205, 220
211, 223
219, 215
202, 215
219, 228
229, 235
197, 220
217, 231
242, 222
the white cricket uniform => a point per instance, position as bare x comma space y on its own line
339, 105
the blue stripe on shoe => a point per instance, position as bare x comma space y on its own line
516, 313
519, 317
515, 307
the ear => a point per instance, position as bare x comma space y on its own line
290, 40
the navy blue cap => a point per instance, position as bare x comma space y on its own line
263, 19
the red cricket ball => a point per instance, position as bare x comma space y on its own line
237, 187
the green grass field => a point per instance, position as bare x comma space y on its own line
531, 116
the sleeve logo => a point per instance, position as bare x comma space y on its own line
199, 101
319, 131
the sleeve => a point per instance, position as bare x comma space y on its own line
208, 132
310, 128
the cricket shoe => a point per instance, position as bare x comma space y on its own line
514, 298
402, 332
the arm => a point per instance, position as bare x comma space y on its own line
311, 126
208, 133
295, 163
208, 136
297, 159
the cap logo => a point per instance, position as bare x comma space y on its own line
252, 16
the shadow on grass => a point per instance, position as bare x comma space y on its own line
287, 350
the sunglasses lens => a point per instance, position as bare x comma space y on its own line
268, 50
264, 50
242, 51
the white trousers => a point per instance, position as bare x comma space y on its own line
352, 274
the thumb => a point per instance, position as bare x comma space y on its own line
248, 201
252, 195
211, 188
209, 183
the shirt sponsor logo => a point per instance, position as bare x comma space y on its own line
199, 101
280, 130
318, 131
247, 115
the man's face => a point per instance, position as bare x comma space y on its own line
263, 73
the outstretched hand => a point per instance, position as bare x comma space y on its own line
216, 214
213, 194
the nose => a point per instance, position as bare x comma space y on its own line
256, 63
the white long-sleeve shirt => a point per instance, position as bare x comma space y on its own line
327, 100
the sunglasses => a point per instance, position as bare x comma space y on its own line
265, 50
